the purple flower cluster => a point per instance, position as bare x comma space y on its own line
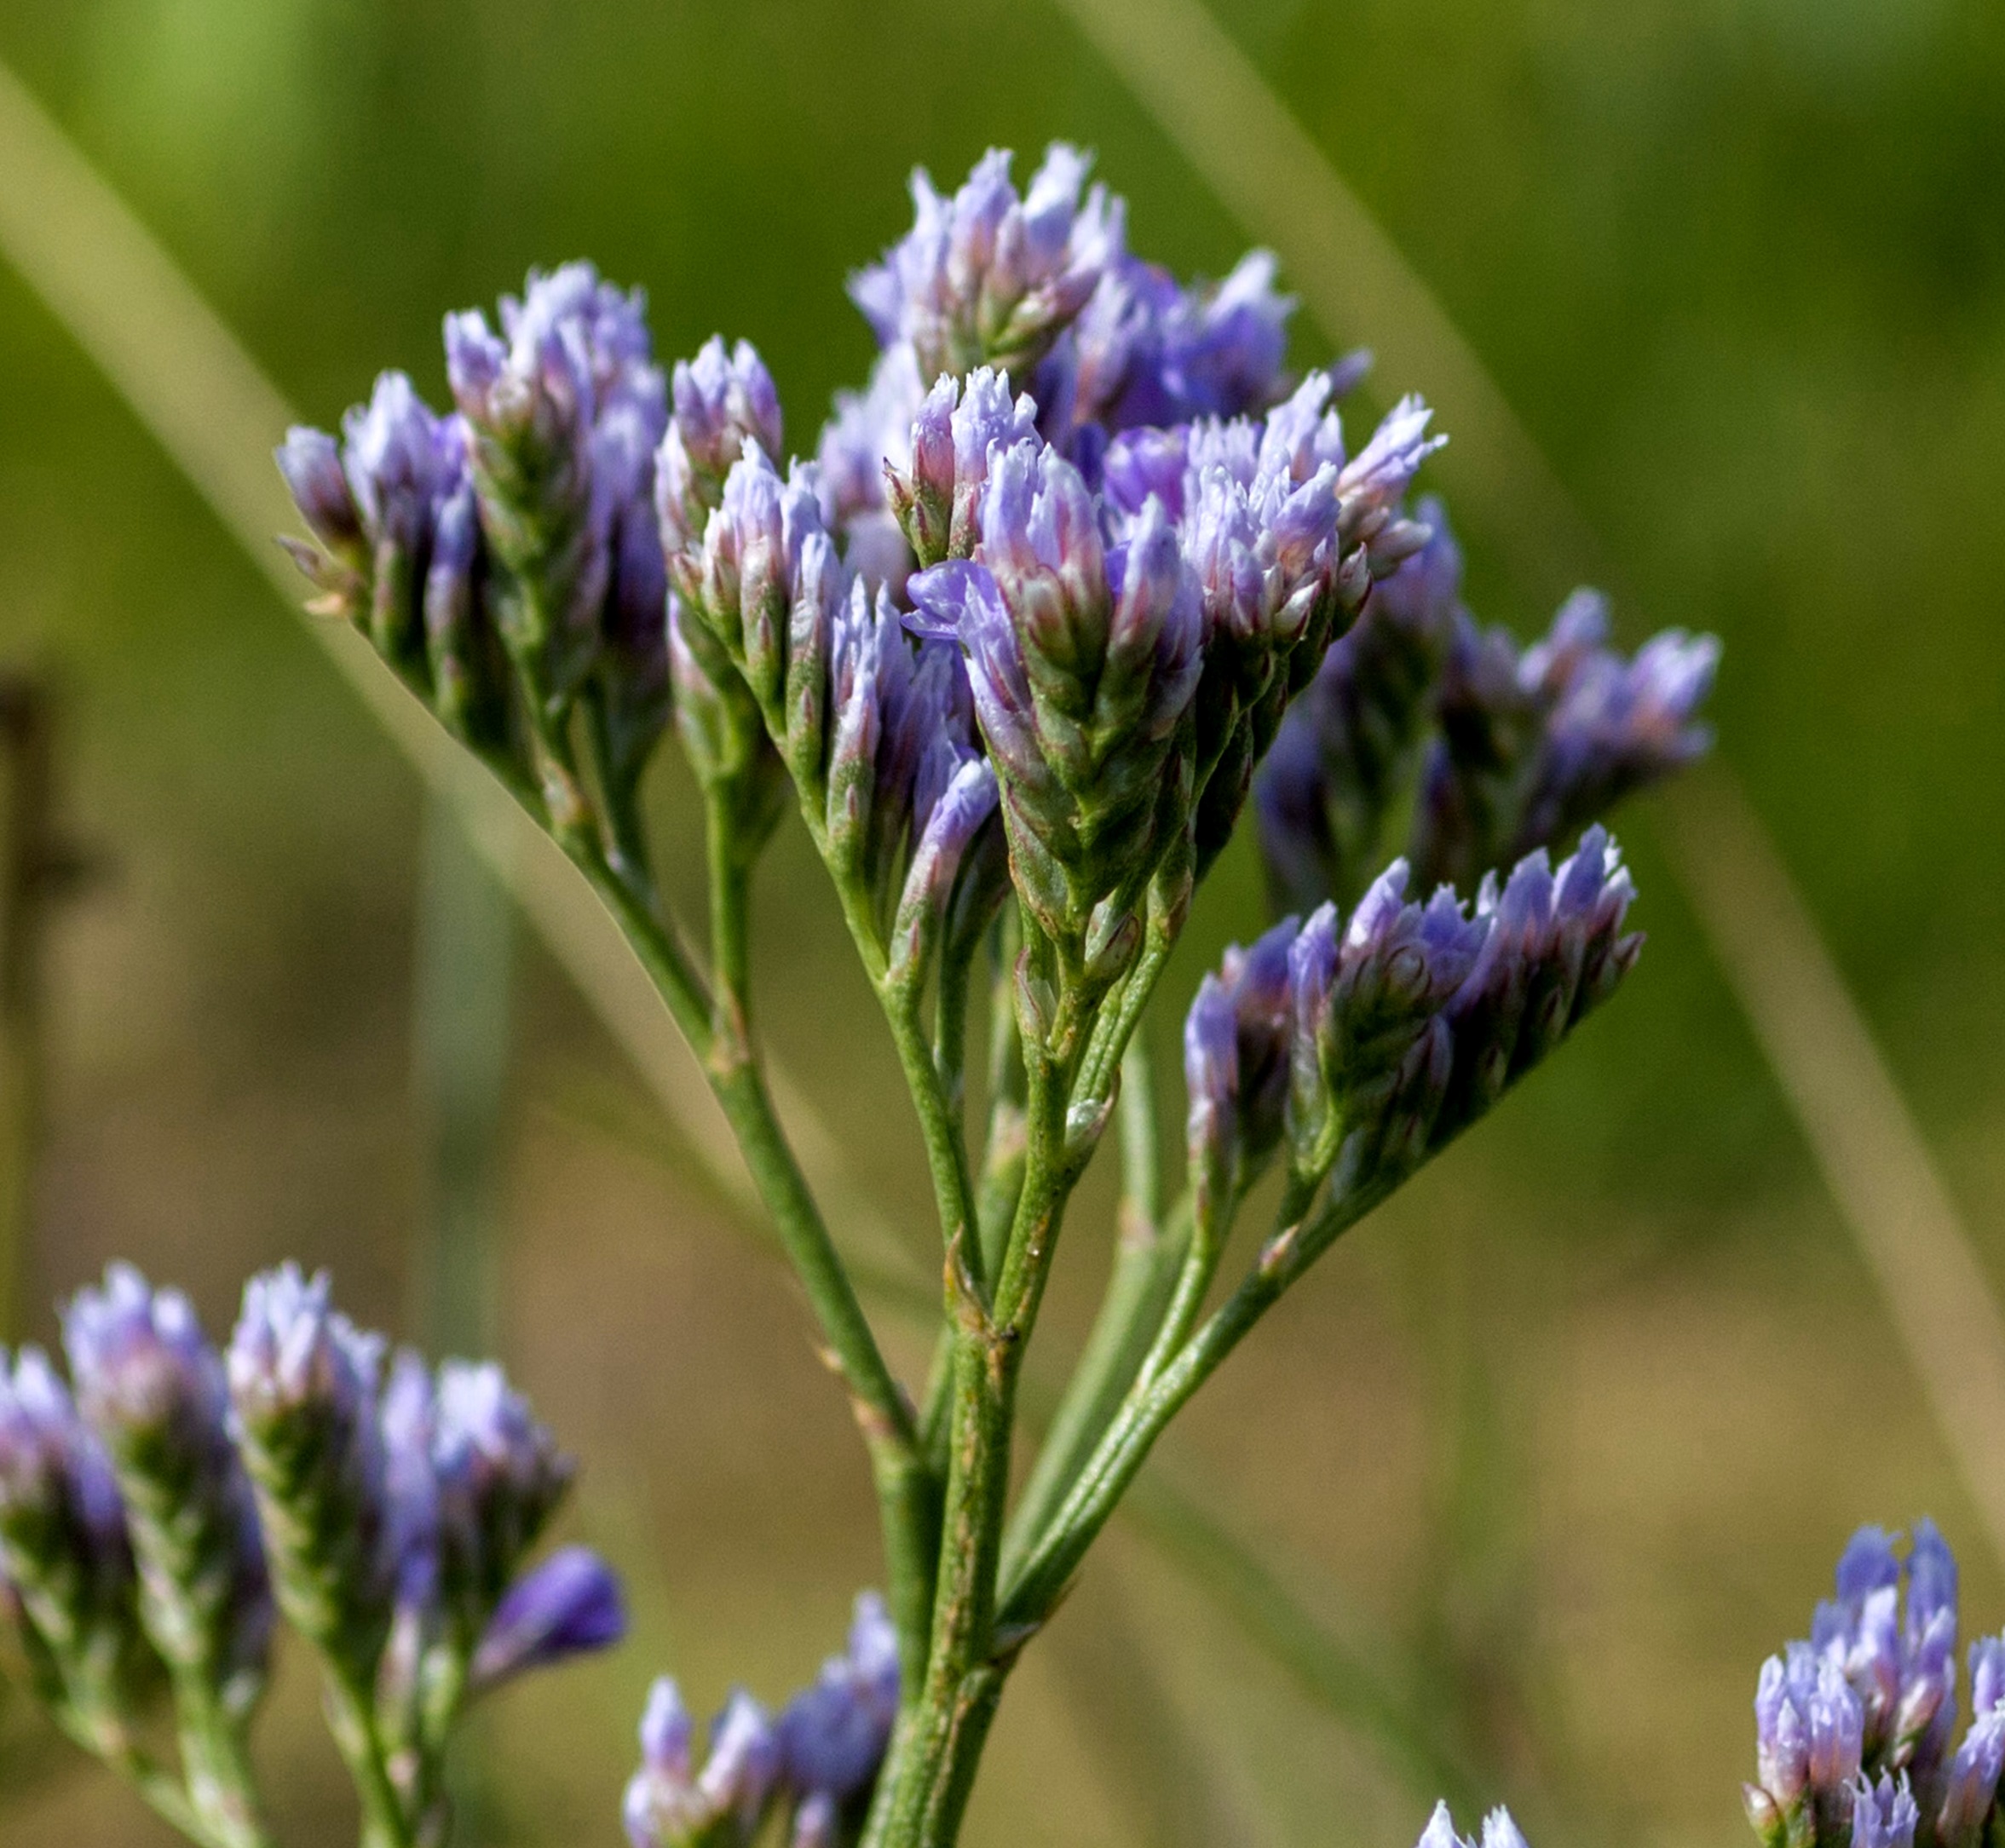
1041, 288
1349, 744
1512, 750
151, 1386
1284, 531
1854, 1728
1236, 1040
521, 530
67, 1577
988, 276
1373, 1043
816, 1765
1529, 744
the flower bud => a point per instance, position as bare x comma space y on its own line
834, 1735
65, 1560
569, 1605
1532, 746
670, 1804
500, 1476
303, 1384
565, 410
989, 278
1237, 1042
1883, 1815
721, 400
153, 1389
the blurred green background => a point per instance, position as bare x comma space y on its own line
1570, 1434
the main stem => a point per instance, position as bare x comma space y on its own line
923, 1791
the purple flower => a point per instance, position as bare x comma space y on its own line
65, 1560
1808, 1733
1081, 661
310, 461
1971, 1786
1237, 1041
500, 1476
304, 1382
1146, 351
568, 1606
671, 1805
764, 550
1903, 1667
152, 1389
721, 400
374, 505
937, 500
988, 276
833, 1735
565, 408
1883, 1815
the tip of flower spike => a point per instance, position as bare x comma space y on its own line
1498, 1831
569, 1605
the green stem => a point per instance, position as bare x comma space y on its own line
216, 1764
923, 1791
386, 1822
907, 1496
946, 1158
1145, 1264
1116, 1026
154, 1784
730, 921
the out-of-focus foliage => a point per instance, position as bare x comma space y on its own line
1587, 1432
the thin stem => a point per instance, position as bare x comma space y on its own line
1157, 1396
216, 1764
730, 920
155, 1785
1118, 1022
907, 1500
923, 1788
386, 1822
1132, 1306
947, 1155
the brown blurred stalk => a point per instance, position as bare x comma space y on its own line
33, 866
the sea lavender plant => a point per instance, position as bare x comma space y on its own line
1079, 559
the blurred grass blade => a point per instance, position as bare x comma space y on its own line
1159, 1766
187, 378
1334, 1674
1857, 1123
1216, 109
461, 987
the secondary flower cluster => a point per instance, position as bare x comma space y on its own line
1511, 749
148, 1517
815, 1765
1365, 1046
1855, 1729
